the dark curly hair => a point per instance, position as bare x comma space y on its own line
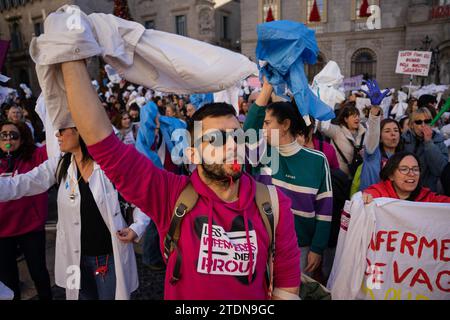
27, 146
347, 111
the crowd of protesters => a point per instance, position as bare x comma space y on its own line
382, 155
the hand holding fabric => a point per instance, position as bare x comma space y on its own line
374, 94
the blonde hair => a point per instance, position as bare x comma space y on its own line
418, 112
174, 109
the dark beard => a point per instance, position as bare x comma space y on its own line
216, 173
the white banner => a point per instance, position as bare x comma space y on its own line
416, 63
393, 250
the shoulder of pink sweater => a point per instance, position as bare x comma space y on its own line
40, 155
106, 143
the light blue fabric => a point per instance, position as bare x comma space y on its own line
287, 46
146, 134
370, 173
168, 126
199, 100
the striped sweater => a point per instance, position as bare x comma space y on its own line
304, 176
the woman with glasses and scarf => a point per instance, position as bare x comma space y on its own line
429, 147
401, 179
22, 222
94, 258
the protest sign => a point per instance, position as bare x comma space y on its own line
416, 63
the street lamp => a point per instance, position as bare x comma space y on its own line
434, 65
426, 43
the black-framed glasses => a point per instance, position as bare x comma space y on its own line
407, 170
419, 122
9, 135
218, 138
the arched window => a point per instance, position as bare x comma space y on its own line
364, 62
313, 70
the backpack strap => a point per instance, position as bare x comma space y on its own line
341, 153
268, 206
264, 204
355, 148
185, 203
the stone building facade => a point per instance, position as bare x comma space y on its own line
216, 22
21, 20
343, 36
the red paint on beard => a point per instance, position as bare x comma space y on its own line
236, 166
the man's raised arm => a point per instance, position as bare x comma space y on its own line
87, 112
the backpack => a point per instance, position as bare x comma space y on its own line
265, 197
357, 159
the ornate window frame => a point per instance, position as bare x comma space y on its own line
263, 7
323, 12
356, 4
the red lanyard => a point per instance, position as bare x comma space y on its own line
101, 270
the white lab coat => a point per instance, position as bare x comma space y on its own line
154, 59
68, 236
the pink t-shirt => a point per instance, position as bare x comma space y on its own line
237, 229
329, 152
18, 217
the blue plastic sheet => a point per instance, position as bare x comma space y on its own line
146, 134
287, 46
199, 100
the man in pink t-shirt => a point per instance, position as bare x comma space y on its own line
223, 244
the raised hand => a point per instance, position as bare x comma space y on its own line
126, 235
375, 95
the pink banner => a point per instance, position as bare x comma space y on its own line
4, 46
254, 82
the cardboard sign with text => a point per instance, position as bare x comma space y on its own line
416, 63
353, 83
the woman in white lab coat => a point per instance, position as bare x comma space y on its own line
94, 256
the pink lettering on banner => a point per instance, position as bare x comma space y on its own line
410, 245
398, 278
220, 266
230, 252
440, 282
